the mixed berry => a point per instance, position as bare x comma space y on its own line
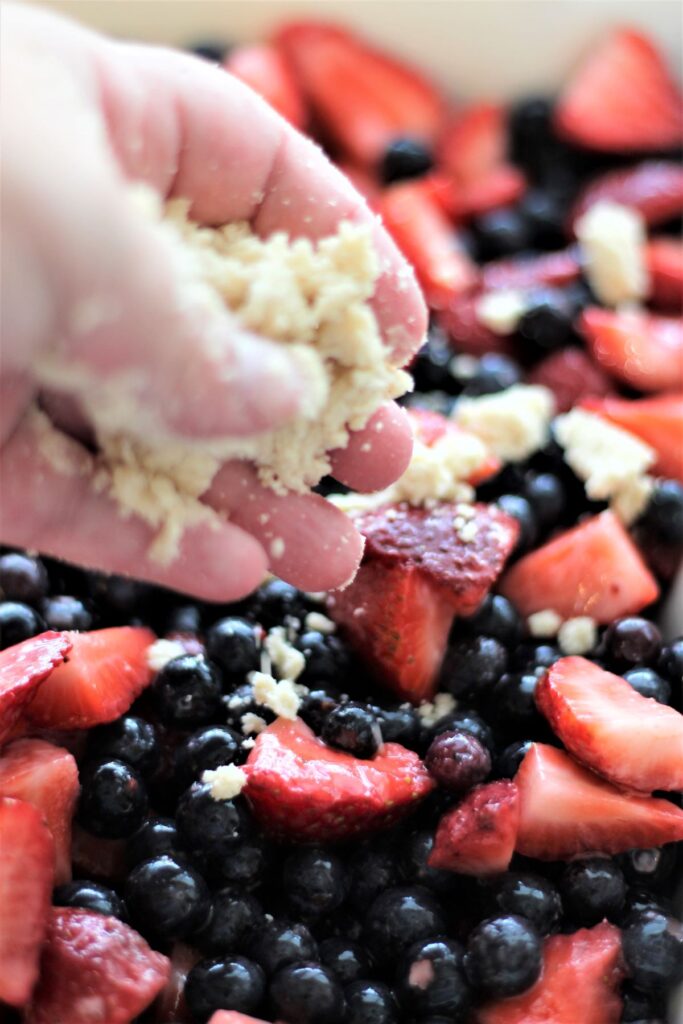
451, 791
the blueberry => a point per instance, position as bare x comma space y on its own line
211, 50
513, 705
234, 917
314, 882
431, 368
113, 799
399, 917
22, 578
546, 495
373, 869
347, 960
18, 622
307, 994
503, 956
496, 618
206, 749
233, 644
592, 888
639, 1007
545, 215
463, 720
431, 979
650, 867
531, 134
166, 898
458, 761
327, 659
533, 656
246, 867
241, 702
184, 618
128, 739
547, 322
354, 728
210, 829
648, 683
274, 602
510, 758
670, 662
530, 896
405, 158
652, 945
233, 983
279, 943
416, 850
316, 705
65, 612
471, 664
119, 595
187, 691
399, 725
663, 516
91, 896
502, 232
638, 900
370, 1002
520, 509
494, 373
155, 837
632, 641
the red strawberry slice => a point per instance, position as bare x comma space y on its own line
170, 1005
605, 724
460, 320
664, 258
637, 348
46, 777
593, 569
428, 240
103, 674
23, 668
304, 790
234, 1017
550, 268
398, 623
571, 375
622, 98
579, 982
654, 188
473, 142
658, 421
267, 72
363, 97
566, 810
429, 427
26, 876
478, 836
95, 969
502, 186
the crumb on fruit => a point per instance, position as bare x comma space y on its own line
545, 623
226, 782
281, 697
162, 651
513, 423
612, 239
578, 635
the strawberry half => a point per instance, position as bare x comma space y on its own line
473, 142
95, 969
593, 569
430, 427
46, 777
571, 375
566, 810
622, 98
664, 257
550, 268
363, 98
103, 674
603, 722
23, 668
478, 836
637, 348
26, 878
654, 188
579, 983
301, 789
267, 72
658, 421
460, 320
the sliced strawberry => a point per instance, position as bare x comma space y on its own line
430, 427
267, 72
23, 668
26, 878
605, 724
234, 1017
502, 186
571, 375
170, 1005
103, 674
46, 777
550, 268
473, 142
654, 188
302, 789
95, 969
593, 569
363, 97
460, 320
398, 623
478, 836
665, 265
428, 240
637, 348
566, 810
622, 98
579, 982
658, 421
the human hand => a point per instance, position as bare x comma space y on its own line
82, 116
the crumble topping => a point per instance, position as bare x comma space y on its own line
513, 423
612, 239
226, 782
578, 635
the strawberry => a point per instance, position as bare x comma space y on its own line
621, 98
267, 72
571, 375
478, 836
658, 421
664, 258
593, 569
429, 427
550, 268
23, 668
380, 98
233, 1017
95, 969
170, 1005
637, 348
428, 240
566, 810
605, 724
103, 674
502, 186
654, 188
473, 142
303, 790
26, 876
460, 321
47, 777
579, 983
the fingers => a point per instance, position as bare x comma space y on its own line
378, 454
